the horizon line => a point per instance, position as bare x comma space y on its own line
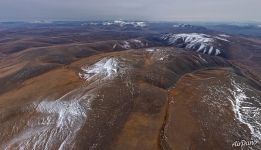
134, 20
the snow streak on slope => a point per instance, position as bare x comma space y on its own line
247, 109
52, 123
242, 98
195, 41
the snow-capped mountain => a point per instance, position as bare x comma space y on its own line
203, 43
182, 26
123, 23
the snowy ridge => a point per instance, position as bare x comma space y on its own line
247, 109
202, 43
123, 23
107, 68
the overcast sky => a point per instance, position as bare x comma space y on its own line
152, 10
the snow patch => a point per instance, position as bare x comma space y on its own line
41, 22
129, 44
224, 35
137, 41
151, 49
222, 39
107, 68
182, 26
210, 50
217, 52
114, 46
68, 111
126, 45
203, 59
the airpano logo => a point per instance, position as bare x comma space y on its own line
244, 143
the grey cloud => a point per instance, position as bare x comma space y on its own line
162, 10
